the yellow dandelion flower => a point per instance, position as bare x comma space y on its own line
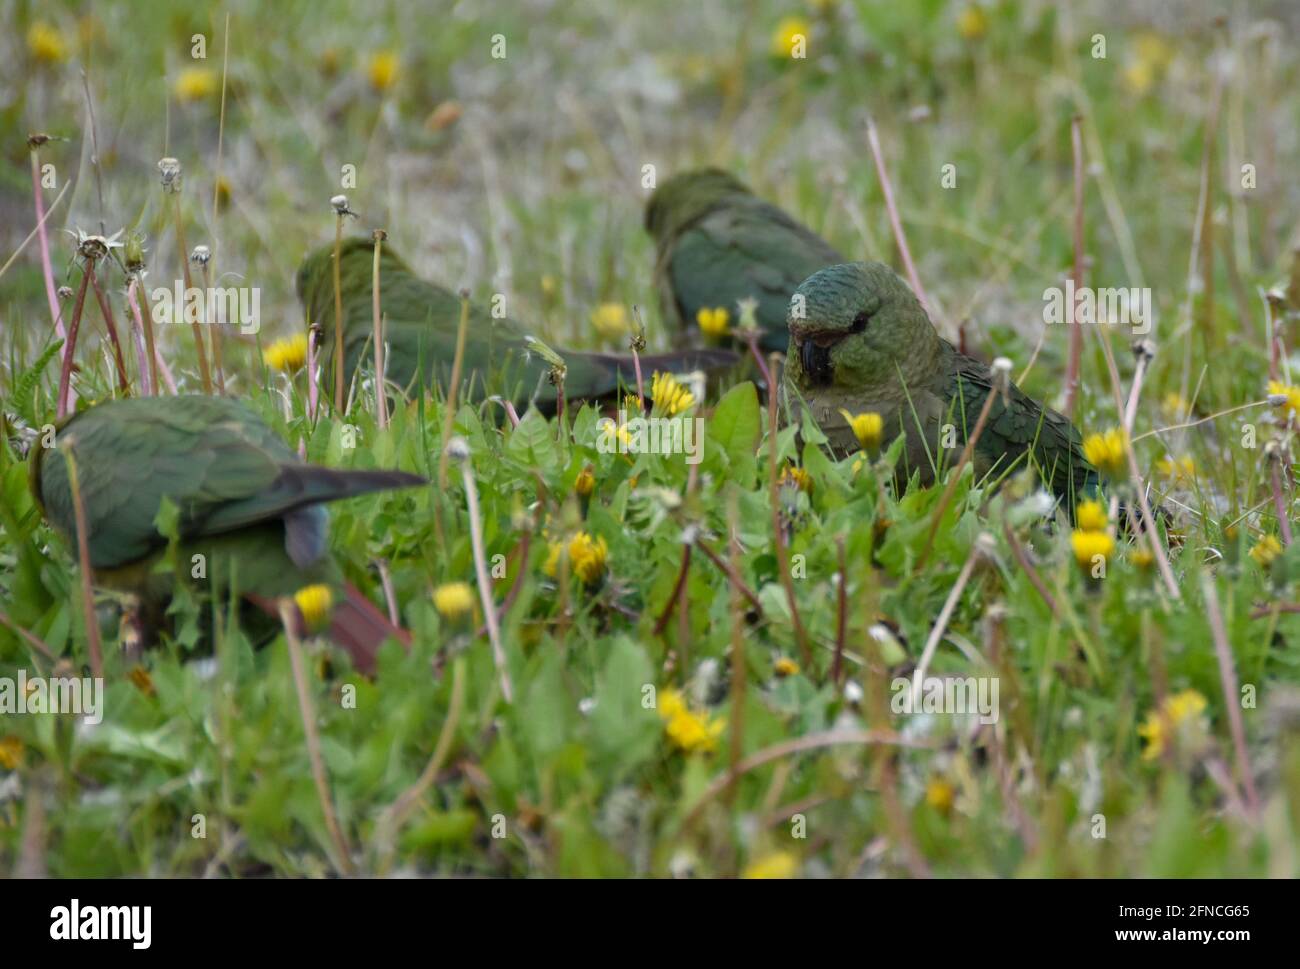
11, 752
1177, 469
314, 602
670, 704
790, 39
1090, 516
288, 354
46, 43
381, 69
867, 428
972, 22
670, 396
1153, 49
1266, 551
1142, 558
1139, 77
686, 730
1160, 726
690, 732
940, 794
615, 432
1291, 405
1088, 545
585, 483
196, 84
587, 557
714, 323
454, 599
1174, 405
778, 864
785, 666
553, 552
798, 477
1107, 451
1183, 705
610, 320
549, 286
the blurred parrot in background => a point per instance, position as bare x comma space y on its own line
422, 320
718, 243
860, 342
245, 502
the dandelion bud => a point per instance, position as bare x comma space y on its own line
133, 252
1144, 350
458, 448
1002, 374
169, 170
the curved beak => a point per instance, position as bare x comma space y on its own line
815, 358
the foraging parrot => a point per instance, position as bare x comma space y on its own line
422, 320
860, 341
244, 499
718, 243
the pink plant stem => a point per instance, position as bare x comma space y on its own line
313, 388
147, 383
70, 347
899, 236
166, 372
47, 268
106, 310
1076, 273
1231, 693
751, 340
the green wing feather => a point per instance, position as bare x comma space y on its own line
1016, 425
744, 248
421, 323
212, 457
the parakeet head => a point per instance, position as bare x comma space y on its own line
686, 197
858, 325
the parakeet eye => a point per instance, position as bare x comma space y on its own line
860, 322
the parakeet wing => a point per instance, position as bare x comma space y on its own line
745, 250
1016, 424
221, 466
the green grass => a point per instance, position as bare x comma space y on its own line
540, 178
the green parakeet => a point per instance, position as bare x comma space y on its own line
245, 502
861, 342
421, 322
718, 243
